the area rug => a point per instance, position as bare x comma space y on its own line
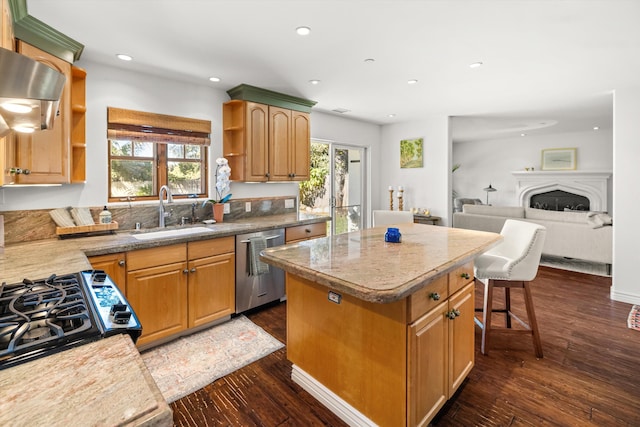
190, 363
571, 264
633, 321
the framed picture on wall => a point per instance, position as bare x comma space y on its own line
558, 159
411, 153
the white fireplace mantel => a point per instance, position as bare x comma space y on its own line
590, 184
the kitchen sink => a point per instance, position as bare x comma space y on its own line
172, 233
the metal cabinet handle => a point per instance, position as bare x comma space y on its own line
307, 230
121, 263
193, 270
453, 313
465, 275
185, 271
434, 296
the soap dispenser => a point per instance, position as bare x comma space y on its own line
105, 216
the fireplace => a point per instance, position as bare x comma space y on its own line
557, 190
559, 200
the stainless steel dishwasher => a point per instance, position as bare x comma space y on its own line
253, 291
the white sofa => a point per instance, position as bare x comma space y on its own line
574, 234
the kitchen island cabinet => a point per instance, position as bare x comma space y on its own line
367, 334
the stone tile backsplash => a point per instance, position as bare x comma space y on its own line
24, 226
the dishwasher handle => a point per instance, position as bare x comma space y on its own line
266, 238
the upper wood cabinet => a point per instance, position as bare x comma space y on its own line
46, 153
266, 143
6, 28
267, 135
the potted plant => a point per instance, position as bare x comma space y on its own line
223, 172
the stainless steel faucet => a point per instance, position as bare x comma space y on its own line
161, 213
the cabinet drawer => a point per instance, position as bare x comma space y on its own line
152, 257
302, 232
423, 300
206, 248
460, 277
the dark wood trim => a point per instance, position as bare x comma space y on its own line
247, 92
41, 35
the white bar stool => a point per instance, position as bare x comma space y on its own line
511, 264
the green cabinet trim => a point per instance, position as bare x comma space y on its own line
41, 35
247, 92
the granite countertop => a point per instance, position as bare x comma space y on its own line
363, 265
41, 258
103, 383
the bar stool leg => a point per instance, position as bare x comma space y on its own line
507, 305
486, 316
531, 314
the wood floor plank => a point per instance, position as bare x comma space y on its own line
589, 376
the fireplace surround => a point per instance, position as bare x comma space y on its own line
551, 187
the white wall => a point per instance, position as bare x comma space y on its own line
626, 227
113, 87
491, 162
426, 187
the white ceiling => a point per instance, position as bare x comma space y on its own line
549, 65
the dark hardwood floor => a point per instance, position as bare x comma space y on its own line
589, 376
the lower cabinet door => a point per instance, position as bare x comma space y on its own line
461, 337
159, 297
427, 370
211, 288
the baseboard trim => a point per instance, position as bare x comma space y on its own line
332, 401
624, 297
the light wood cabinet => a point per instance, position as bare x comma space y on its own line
6, 27
115, 266
266, 143
299, 233
46, 153
211, 280
157, 290
420, 348
441, 352
78, 125
177, 287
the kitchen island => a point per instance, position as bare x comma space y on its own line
382, 333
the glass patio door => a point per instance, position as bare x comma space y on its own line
347, 188
336, 187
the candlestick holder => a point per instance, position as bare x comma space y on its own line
391, 199
400, 200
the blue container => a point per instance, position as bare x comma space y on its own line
392, 235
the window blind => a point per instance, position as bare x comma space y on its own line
158, 128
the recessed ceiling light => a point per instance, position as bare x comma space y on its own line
17, 108
412, 81
303, 31
214, 79
475, 65
523, 134
596, 127
369, 60
391, 115
314, 82
124, 57
340, 110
